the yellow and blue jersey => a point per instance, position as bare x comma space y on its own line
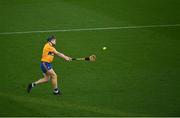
48, 55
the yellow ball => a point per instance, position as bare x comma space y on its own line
104, 48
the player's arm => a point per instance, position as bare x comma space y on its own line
61, 55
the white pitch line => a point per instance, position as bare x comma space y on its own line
93, 29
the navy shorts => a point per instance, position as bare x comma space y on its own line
45, 66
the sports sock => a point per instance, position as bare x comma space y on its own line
33, 84
56, 90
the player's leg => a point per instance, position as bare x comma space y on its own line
54, 81
43, 80
44, 67
40, 81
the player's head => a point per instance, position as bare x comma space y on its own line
52, 40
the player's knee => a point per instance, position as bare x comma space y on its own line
46, 78
54, 76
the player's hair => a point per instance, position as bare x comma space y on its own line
51, 38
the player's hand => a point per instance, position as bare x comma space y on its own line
68, 59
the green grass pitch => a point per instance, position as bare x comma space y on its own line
138, 74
